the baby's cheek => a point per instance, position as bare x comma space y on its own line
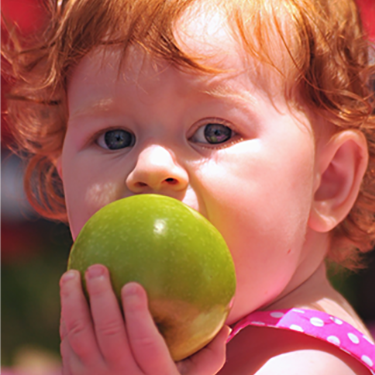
84, 202
99, 194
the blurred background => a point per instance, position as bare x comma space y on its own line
35, 251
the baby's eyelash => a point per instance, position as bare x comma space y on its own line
212, 120
116, 139
96, 140
214, 133
222, 146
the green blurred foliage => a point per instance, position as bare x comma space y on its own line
358, 287
30, 293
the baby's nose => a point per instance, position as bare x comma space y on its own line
157, 171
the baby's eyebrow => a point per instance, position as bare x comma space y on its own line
234, 86
219, 89
101, 105
243, 97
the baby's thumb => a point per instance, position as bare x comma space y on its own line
210, 359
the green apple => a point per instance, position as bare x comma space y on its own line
175, 253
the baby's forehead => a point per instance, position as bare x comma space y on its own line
212, 36
206, 34
148, 73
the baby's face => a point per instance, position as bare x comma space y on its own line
215, 142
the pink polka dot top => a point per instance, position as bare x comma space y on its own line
316, 324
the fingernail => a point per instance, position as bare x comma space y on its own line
95, 271
69, 275
130, 289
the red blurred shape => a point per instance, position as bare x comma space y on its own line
29, 15
367, 8
19, 241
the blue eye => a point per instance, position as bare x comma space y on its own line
116, 139
212, 134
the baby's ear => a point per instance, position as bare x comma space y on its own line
340, 166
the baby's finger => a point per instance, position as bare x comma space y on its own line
69, 358
208, 360
65, 349
108, 320
147, 344
76, 316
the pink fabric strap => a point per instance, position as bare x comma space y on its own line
316, 324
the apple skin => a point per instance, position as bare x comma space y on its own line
175, 253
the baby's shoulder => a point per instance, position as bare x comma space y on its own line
266, 351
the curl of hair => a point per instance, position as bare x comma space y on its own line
325, 63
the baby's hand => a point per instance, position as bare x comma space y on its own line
96, 340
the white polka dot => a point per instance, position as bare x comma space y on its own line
294, 327
333, 340
367, 360
317, 322
353, 338
258, 323
336, 320
276, 314
299, 311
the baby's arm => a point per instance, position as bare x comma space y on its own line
96, 340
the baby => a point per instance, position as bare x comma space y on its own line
256, 113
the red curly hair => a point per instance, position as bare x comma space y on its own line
330, 71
